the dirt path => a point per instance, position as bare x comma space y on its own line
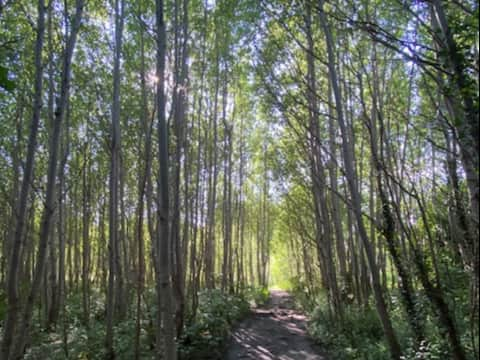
275, 332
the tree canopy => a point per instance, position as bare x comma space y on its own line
164, 162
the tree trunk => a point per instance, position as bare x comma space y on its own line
113, 241
145, 135
86, 198
163, 278
210, 240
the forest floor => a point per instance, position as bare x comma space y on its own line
275, 331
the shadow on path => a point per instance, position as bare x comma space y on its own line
275, 332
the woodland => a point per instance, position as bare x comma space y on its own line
163, 164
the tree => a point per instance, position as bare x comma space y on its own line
162, 248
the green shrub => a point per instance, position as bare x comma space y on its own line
207, 335
359, 336
426, 351
257, 296
305, 297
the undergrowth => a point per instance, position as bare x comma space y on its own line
204, 337
359, 334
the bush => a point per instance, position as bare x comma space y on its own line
305, 296
359, 336
207, 335
257, 296
427, 351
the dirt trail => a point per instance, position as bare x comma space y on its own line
275, 332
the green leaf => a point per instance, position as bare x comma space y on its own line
5, 82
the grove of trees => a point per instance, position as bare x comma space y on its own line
160, 156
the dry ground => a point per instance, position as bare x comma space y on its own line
274, 332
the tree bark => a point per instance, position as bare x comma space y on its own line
86, 198
163, 278
145, 134
113, 241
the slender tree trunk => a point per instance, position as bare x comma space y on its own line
195, 268
227, 229
163, 278
121, 265
51, 284
145, 134
113, 241
180, 104
210, 240
337, 220
76, 240
241, 212
58, 302
86, 198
